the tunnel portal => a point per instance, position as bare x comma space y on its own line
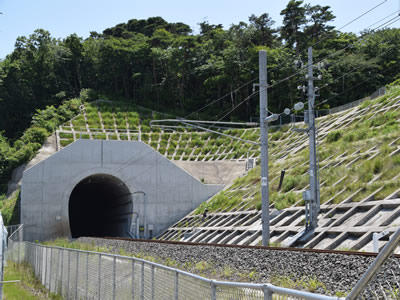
100, 205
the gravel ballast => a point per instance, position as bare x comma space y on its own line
337, 272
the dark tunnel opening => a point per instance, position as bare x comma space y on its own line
100, 205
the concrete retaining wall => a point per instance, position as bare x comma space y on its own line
171, 192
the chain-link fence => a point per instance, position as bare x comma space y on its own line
77, 274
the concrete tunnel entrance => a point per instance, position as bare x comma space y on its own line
100, 205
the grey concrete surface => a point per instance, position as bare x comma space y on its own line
171, 193
49, 148
216, 172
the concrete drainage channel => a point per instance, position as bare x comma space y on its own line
329, 273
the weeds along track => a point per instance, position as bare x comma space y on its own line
324, 271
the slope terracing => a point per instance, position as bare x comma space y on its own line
360, 184
359, 172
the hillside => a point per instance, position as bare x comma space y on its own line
359, 174
359, 171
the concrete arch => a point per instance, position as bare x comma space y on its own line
100, 205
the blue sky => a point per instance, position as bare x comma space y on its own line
62, 17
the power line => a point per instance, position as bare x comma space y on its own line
396, 12
392, 22
220, 98
361, 38
352, 21
367, 12
247, 83
386, 23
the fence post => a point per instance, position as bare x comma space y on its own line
99, 283
36, 261
77, 273
19, 246
114, 272
45, 266
142, 283
374, 268
267, 293
176, 285
69, 270
62, 271
152, 282
87, 275
213, 290
57, 272
51, 257
133, 279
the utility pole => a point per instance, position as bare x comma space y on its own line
262, 55
312, 197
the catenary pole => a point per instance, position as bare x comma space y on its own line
314, 203
264, 147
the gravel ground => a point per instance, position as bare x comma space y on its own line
337, 272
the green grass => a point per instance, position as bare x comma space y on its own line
204, 268
9, 208
65, 143
29, 287
310, 284
65, 135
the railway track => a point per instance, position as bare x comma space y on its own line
332, 270
307, 250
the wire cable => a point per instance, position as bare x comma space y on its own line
361, 38
351, 22
220, 98
254, 79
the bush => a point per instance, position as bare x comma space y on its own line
88, 95
334, 136
35, 135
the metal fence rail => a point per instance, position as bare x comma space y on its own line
77, 274
382, 279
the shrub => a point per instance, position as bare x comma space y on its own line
333, 136
88, 95
35, 135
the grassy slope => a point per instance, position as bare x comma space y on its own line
29, 287
362, 178
375, 171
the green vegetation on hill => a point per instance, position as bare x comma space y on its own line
44, 122
359, 160
164, 66
356, 160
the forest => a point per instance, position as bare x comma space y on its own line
166, 67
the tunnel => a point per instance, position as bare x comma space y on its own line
100, 205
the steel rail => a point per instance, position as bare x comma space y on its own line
306, 250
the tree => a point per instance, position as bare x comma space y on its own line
294, 19
319, 17
263, 33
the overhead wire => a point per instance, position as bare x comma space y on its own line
254, 79
361, 38
222, 97
351, 22
298, 72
